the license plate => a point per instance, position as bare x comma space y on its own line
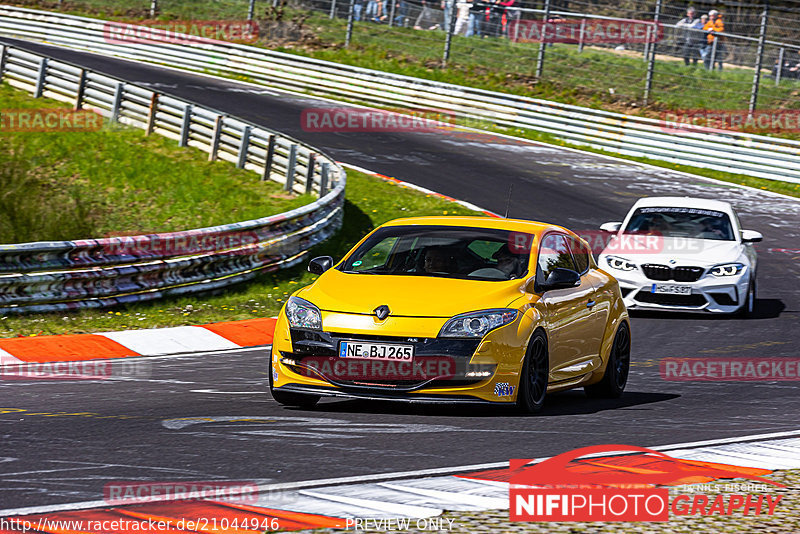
671, 289
376, 351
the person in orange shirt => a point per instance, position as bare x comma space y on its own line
714, 25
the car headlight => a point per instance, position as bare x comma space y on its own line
620, 264
477, 324
303, 314
728, 269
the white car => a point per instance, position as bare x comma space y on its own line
682, 254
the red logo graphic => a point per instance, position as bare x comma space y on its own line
358, 369
180, 31
730, 369
587, 31
124, 492
719, 121
374, 120
49, 120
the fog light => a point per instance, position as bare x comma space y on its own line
480, 370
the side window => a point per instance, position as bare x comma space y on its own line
553, 253
580, 253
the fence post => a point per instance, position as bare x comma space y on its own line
781, 54
151, 114
349, 34
312, 161
583, 29
646, 50
392, 12
291, 165
448, 41
714, 52
270, 158
40, 78
153, 8
117, 102
759, 60
251, 10
213, 150
240, 163
651, 60
3, 56
333, 9
323, 179
187, 120
543, 44
81, 90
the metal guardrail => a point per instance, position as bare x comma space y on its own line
54, 276
754, 155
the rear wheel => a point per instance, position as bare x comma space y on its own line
534, 376
619, 362
291, 399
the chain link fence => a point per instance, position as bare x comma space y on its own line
750, 61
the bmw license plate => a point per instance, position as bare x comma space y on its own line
376, 351
671, 289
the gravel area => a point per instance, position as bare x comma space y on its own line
785, 520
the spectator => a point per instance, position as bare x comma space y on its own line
477, 10
794, 72
699, 37
358, 6
427, 19
401, 15
686, 37
447, 9
497, 11
462, 17
714, 25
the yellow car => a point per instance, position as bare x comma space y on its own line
454, 309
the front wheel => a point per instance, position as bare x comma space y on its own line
287, 398
619, 362
534, 376
750, 300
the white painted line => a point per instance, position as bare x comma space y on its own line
8, 359
474, 501
159, 341
407, 510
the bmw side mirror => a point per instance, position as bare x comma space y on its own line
751, 236
320, 265
562, 278
612, 227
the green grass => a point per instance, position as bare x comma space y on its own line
77, 185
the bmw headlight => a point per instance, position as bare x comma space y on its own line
477, 324
728, 269
303, 314
621, 264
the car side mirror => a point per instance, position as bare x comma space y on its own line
612, 227
751, 236
561, 278
320, 265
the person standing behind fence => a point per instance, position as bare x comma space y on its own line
686, 36
462, 17
714, 25
477, 8
428, 17
699, 37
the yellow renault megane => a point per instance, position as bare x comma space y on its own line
454, 309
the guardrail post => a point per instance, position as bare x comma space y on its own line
781, 54
215, 134
349, 34
543, 44
151, 114
187, 121
290, 167
40, 78
3, 56
580, 37
81, 90
448, 41
333, 9
651, 61
762, 36
270, 158
312, 162
251, 10
323, 179
117, 102
243, 147
153, 8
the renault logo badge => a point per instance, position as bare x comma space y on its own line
382, 312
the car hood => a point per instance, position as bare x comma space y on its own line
686, 252
410, 296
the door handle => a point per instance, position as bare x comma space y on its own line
590, 303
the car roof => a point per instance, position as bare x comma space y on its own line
518, 225
684, 202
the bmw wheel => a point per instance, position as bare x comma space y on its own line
619, 362
750, 300
534, 377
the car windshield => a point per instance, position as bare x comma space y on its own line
681, 222
442, 251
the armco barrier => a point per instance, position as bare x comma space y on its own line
52, 276
754, 155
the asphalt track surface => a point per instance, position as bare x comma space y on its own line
209, 417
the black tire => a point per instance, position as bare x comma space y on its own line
534, 376
749, 304
619, 362
286, 398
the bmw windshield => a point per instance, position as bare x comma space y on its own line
442, 251
681, 222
